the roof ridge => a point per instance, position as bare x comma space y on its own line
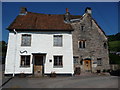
51, 14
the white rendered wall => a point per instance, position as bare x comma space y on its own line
41, 42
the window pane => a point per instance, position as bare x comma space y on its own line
57, 40
25, 61
105, 45
99, 61
26, 40
58, 61
75, 60
22, 61
83, 44
80, 44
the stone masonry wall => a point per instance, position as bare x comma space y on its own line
95, 40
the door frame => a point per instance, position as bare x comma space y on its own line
33, 59
90, 64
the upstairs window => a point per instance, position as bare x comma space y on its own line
58, 61
82, 44
105, 45
99, 61
26, 40
57, 40
82, 28
25, 61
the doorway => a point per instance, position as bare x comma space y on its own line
38, 65
87, 65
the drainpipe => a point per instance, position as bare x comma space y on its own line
15, 51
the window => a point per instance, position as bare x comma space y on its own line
75, 60
25, 61
105, 45
58, 62
82, 28
26, 40
82, 44
99, 61
57, 40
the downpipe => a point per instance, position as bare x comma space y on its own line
15, 32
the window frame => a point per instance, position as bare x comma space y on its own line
105, 45
76, 60
57, 42
22, 40
82, 27
25, 66
99, 61
82, 44
58, 66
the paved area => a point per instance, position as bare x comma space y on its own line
3, 79
92, 81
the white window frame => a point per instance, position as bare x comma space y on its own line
22, 39
57, 66
24, 62
61, 44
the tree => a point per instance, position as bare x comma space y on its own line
3, 48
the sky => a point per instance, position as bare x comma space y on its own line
105, 13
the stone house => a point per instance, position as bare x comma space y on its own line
90, 47
65, 44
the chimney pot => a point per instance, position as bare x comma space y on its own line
66, 9
88, 10
67, 16
23, 11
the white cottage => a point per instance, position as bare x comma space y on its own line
39, 44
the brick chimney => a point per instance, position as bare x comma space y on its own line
88, 10
23, 11
67, 16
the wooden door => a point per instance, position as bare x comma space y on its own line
87, 65
38, 65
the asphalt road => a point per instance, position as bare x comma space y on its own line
64, 82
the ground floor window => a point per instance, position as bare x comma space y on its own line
58, 61
75, 60
99, 61
25, 61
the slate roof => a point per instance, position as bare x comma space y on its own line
36, 21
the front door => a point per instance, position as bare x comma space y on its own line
38, 65
87, 65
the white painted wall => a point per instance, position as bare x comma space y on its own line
42, 42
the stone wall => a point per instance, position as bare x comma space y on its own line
95, 40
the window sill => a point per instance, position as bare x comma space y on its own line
81, 48
57, 66
99, 65
57, 46
24, 66
25, 46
